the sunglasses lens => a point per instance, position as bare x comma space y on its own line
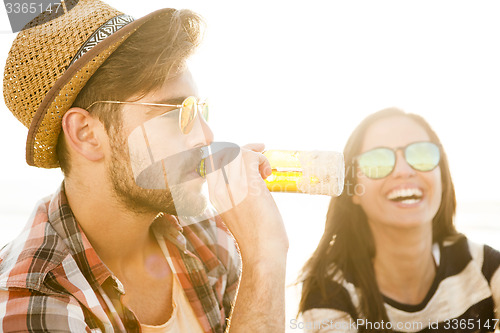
377, 163
188, 112
422, 156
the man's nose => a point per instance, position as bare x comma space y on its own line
201, 134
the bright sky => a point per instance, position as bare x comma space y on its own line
302, 77
298, 76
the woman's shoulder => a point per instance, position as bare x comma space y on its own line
483, 261
461, 252
333, 293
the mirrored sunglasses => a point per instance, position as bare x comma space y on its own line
379, 162
189, 109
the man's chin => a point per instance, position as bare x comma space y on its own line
191, 209
189, 203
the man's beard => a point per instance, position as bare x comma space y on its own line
142, 200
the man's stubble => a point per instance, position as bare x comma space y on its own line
144, 201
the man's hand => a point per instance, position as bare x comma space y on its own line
239, 194
241, 197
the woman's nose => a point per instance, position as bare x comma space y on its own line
402, 168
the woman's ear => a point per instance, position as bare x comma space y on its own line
83, 134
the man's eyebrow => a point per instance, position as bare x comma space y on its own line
172, 101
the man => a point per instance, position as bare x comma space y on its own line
110, 100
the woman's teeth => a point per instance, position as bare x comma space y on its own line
405, 196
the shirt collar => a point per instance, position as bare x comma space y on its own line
64, 223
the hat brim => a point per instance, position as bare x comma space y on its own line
46, 124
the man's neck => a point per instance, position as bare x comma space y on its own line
404, 265
126, 245
119, 236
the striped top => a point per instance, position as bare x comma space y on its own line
52, 280
462, 298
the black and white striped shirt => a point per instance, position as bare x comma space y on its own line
462, 298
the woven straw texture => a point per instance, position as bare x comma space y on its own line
39, 57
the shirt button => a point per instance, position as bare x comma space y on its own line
119, 286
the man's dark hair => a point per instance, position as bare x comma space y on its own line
157, 51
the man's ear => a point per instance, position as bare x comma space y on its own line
83, 133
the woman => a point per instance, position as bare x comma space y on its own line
390, 259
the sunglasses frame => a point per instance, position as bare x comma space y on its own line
394, 151
198, 102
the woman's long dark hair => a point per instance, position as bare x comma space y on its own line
347, 245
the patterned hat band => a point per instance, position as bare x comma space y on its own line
51, 62
105, 30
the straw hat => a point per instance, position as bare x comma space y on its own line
51, 62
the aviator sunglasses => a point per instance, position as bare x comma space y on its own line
379, 162
187, 110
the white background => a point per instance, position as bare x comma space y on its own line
302, 75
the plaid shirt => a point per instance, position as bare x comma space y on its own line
52, 280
